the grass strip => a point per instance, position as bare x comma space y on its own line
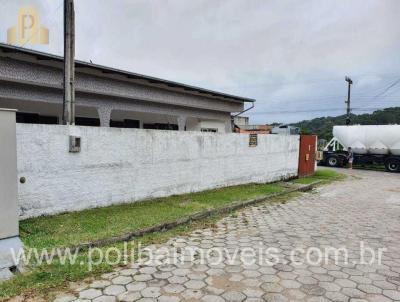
46, 279
184, 220
323, 175
54, 231
72, 229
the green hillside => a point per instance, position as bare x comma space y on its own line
322, 126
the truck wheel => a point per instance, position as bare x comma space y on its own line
392, 165
332, 161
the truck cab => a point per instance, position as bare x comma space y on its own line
335, 154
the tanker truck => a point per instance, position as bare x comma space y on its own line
371, 144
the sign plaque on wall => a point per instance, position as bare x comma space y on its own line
253, 140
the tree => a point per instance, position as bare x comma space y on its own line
322, 126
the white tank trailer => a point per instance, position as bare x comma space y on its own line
379, 144
373, 139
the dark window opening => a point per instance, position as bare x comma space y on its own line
34, 118
87, 121
30, 118
117, 124
50, 120
214, 130
125, 124
159, 126
132, 124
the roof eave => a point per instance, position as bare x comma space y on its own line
105, 69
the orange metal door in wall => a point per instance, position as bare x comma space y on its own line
308, 147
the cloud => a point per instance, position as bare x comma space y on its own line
290, 55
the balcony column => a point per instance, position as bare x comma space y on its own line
104, 115
182, 123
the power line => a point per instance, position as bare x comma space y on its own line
364, 100
388, 88
328, 100
314, 110
310, 81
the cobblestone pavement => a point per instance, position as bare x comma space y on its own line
363, 208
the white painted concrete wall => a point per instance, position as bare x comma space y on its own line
126, 165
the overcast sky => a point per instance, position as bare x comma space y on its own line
290, 55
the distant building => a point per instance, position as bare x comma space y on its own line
285, 129
32, 82
241, 125
241, 120
254, 129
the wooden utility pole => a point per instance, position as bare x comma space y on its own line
69, 63
349, 81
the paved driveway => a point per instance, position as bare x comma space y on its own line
364, 209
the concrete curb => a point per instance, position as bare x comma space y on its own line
194, 217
